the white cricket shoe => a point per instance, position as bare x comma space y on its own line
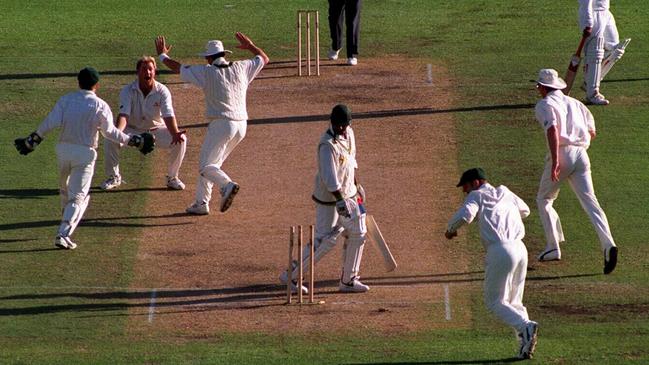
550, 255
354, 287
175, 183
597, 99
111, 183
352, 61
64, 243
228, 194
333, 54
198, 208
283, 279
529, 337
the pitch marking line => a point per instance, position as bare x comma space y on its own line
152, 306
447, 302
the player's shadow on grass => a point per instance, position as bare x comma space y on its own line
27, 193
243, 297
54, 75
98, 190
458, 362
99, 222
377, 114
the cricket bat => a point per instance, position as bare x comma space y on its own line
573, 66
375, 235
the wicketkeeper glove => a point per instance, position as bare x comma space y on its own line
343, 208
144, 142
27, 145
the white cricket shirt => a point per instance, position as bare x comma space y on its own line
570, 116
145, 112
499, 213
224, 86
336, 166
81, 115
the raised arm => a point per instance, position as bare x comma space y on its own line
246, 43
162, 48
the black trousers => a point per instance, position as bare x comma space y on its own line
349, 12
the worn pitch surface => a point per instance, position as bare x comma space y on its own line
219, 272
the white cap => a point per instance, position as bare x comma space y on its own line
213, 47
550, 78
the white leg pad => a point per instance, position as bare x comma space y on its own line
593, 66
352, 258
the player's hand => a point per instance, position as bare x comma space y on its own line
450, 235
161, 45
556, 170
587, 32
244, 41
178, 137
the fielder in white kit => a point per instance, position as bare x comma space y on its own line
338, 210
569, 127
225, 85
602, 48
80, 115
500, 216
145, 106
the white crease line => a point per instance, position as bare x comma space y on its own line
429, 73
447, 302
152, 306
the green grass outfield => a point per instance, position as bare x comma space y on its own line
491, 47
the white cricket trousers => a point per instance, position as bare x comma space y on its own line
76, 166
575, 167
163, 140
504, 283
329, 225
222, 137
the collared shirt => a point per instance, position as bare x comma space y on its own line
145, 112
570, 116
336, 166
225, 86
81, 115
499, 213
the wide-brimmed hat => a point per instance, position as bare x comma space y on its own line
476, 173
213, 47
550, 78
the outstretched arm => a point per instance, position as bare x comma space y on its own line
246, 43
162, 48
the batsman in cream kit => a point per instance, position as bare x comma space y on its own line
338, 207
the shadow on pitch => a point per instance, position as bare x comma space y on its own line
99, 222
377, 114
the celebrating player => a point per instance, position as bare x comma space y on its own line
499, 213
80, 115
145, 106
225, 85
569, 127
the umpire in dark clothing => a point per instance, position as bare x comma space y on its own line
350, 12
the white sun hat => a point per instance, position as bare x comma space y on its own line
550, 78
213, 47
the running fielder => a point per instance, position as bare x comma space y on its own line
225, 85
569, 127
80, 115
145, 106
500, 216
338, 210
602, 48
